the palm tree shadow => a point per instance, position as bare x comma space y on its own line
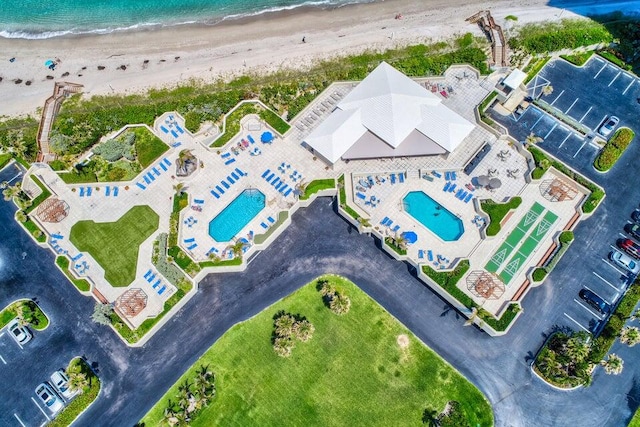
447, 308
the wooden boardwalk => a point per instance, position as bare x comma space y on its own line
49, 112
499, 54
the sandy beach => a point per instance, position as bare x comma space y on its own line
134, 61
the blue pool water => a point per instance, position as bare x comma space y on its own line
234, 217
433, 215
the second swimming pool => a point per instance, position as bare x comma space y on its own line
236, 215
433, 215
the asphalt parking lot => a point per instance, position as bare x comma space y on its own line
588, 95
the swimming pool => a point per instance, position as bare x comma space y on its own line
433, 215
236, 215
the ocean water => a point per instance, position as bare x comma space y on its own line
34, 19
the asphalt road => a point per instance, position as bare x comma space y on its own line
317, 242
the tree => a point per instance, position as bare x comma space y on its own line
327, 289
78, 380
179, 188
630, 335
430, 418
532, 139
340, 304
547, 90
475, 314
613, 365
284, 325
283, 346
237, 247
204, 383
102, 313
21, 216
11, 191
303, 330
577, 348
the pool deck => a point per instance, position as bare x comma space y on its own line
292, 164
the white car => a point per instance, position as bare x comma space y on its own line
608, 126
60, 381
20, 333
49, 398
625, 261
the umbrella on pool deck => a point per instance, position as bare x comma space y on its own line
410, 236
482, 180
495, 183
266, 137
48, 63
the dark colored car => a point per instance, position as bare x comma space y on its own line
633, 230
595, 301
636, 215
630, 247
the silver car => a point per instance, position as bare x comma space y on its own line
608, 126
18, 332
49, 398
60, 381
625, 261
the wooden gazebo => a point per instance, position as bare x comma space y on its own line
131, 302
52, 210
484, 285
557, 190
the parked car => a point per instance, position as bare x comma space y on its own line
595, 301
630, 247
18, 332
60, 381
633, 230
635, 215
608, 126
625, 262
49, 398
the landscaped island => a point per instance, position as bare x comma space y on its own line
362, 367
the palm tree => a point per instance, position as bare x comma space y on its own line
283, 347
364, 221
532, 139
400, 241
303, 330
327, 289
21, 216
237, 247
77, 380
430, 417
11, 191
340, 304
547, 90
204, 382
613, 365
284, 325
169, 414
179, 188
475, 314
577, 349
630, 335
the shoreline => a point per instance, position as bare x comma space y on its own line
135, 61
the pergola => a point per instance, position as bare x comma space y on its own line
132, 302
556, 190
52, 210
484, 285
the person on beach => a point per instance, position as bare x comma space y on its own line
304, 39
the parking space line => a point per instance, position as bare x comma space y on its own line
537, 121
580, 149
614, 79
613, 266
576, 322
19, 420
549, 133
571, 106
602, 120
597, 58
603, 67
557, 97
585, 114
630, 84
2, 358
607, 282
588, 309
565, 140
41, 410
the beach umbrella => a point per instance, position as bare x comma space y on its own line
410, 236
266, 137
48, 63
482, 180
495, 183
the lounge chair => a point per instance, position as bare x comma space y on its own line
215, 194
242, 173
189, 240
459, 193
179, 128
166, 161
280, 184
155, 285
89, 191
384, 220
225, 185
271, 220
107, 192
361, 196
235, 176
401, 176
452, 188
148, 273
164, 129
468, 198
263, 225
275, 181
192, 247
81, 191
283, 188
163, 166
150, 278
389, 223
115, 191
228, 162
140, 185
220, 190
395, 229
453, 176
436, 174
231, 180
393, 178
174, 133
447, 175
225, 155
162, 289
420, 254
446, 186
430, 255
288, 192
198, 201
151, 177
156, 171
270, 177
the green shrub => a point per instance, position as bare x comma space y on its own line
390, 241
534, 68
613, 149
449, 279
82, 284
167, 269
497, 211
504, 321
553, 36
565, 237
82, 401
511, 18
465, 41
539, 274
317, 185
612, 56
578, 59
343, 200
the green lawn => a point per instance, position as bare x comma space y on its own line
635, 421
352, 372
148, 146
497, 212
114, 245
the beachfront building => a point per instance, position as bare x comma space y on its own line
388, 115
405, 156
